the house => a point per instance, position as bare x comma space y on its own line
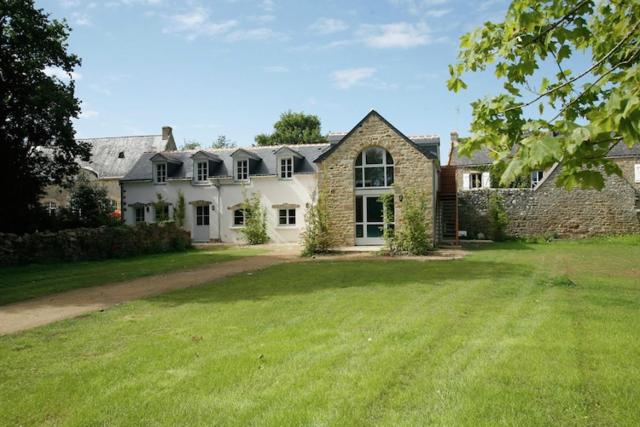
539, 207
111, 159
355, 168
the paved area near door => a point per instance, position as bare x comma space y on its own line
51, 308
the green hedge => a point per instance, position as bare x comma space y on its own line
92, 243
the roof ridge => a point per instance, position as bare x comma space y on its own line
117, 137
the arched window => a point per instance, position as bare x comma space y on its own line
374, 168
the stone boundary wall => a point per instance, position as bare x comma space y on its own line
551, 210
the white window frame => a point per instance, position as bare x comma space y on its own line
360, 169
160, 173
536, 178
164, 206
244, 217
636, 172
285, 165
52, 208
201, 171
202, 215
475, 180
241, 170
135, 214
289, 215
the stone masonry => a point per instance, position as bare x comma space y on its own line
336, 175
548, 209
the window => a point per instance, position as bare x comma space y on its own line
475, 180
52, 208
637, 172
161, 173
286, 168
286, 216
374, 168
536, 177
139, 214
238, 217
162, 213
242, 170
202, 215
114, 204
202, 171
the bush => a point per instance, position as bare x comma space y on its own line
411, 237
255, 221
92, 243
498, 219
89, 205
179, 212
316, 238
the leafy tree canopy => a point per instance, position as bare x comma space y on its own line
90, 205
293, 128
191, 145
588, 111
37, 139
223, 142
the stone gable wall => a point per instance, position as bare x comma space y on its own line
336, 174
548, 209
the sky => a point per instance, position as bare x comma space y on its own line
231, 67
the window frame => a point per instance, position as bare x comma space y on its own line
165, 206
136, 218
360, 169
285, 171
160, 178
236, 217
473, 182
289, 215
241, 173
52, 208
201, 176
203, 216
539, 174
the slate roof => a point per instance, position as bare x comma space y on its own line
481, 157
142, 170
105, 153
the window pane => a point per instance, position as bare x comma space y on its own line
374, 177
374, 156
374, 230
374, 209
283, 220
359, 160
389, 159
292, 216
359, 230
358, 176
389, 176
359, 217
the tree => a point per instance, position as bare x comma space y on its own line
37, 138
191, 145
90, 205
293, 128
223, 142
587, 112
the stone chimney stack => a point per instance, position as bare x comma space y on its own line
167, 132
454, 139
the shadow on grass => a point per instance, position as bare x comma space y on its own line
512, 245
309, 277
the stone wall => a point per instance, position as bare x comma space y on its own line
412, 171
548, 209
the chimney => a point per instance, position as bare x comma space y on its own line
454, 139
167, 132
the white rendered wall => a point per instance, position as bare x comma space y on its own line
272, 191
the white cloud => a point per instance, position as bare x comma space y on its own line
397, 35
268, 5
418, 7
276, 69
259, 34
81, 19
100, 89
88, 114
61, 74
346, 78
197, 22
328, 26
438, 13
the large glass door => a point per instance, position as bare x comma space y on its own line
370, 220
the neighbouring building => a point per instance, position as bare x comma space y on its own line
354, 169
541, 207
111, 159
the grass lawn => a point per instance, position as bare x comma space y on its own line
20, 283
515, 334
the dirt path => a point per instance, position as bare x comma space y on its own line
51, 308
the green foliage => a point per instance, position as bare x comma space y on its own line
89, 204
223, 142
293, 128
160, 209
38, 145
255, 220
498, 219
588, 112
179, 212
316, 237
191, 145
391, 244
413, 235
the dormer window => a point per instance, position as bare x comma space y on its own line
160, 170
202, 171
286, 168
242, 170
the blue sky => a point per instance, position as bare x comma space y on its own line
232, 66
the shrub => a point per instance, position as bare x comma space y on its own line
89, 205
391, 244
160, 209
413, 235
498, 219
255, 221
179, 212
316, 238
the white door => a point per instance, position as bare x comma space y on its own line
369, 220
201, 224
